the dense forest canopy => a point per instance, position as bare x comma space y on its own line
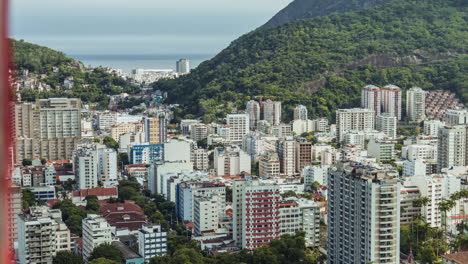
323, 62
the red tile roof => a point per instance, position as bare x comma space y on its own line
96, 191
123, 215
460, 257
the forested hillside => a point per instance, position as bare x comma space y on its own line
323, 62
52, 67
303, 9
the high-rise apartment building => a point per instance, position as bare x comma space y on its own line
269, 165
387, 124
253, 110
271, 112
416, 104
303, 154
36, 239
353, 119
96, 231
183, 66
200, 159
256, 213
152, 241
85, 164
231, 161
156, 130
199, 132
363, 214
371, 98
455, 117
391, 100
206, 212
287, 156
239, 126
301, 215
107, 165
300, 112
452, 146
49, 128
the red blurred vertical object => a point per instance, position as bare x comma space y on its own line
6, 137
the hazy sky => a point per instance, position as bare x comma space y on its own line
138, 26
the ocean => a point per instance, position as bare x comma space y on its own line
128, 62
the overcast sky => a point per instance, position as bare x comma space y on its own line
138, 26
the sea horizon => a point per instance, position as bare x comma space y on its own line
128, 62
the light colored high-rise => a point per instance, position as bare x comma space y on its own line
231, 161
200, 159
353, 119
253, 110
152, 241
183, 66
416, 104
107, 165
256, 219
452, 146
371, 98
364, 230
431, 127
96, 231
387, 124
49, 128
430, 187
272, 112
456, 117
36, 239
300, 112
85, 164
269, 165
301, 215
316, 173
206, 213
391, 100
287, 156
199, 132
239, 126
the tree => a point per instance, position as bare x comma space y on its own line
108, 252
92, 203
67, 257
111, 143
103, 261
27, 162
127, 193
28, 199
315, 185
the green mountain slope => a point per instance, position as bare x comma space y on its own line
306, 61
52, 67
303, 9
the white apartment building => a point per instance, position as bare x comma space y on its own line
256, 219
409, 212
187, 191
253, 144
206, 212
200, 159
59, 117
96, 231
287, 156
455, 117
301, 215
316, 173
85, 166
269, 165
183, 66
300, 112
186, 125
391, 100
36, 239
359, 138
451, 147
133, 138
381, 149
415, 167
387, 124
107, 167
430, 187
282, 130
253, 110
431, 127
239, 126
177, 150
199, 132
159, 168
371, 98
419, 151
416, 104
152, 241
231, 161
353, 119
272, 112
371, 231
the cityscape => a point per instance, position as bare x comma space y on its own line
365, 163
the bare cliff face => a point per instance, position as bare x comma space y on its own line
303, 9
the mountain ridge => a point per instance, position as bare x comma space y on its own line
279, 61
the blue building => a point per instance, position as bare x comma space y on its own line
146, 154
